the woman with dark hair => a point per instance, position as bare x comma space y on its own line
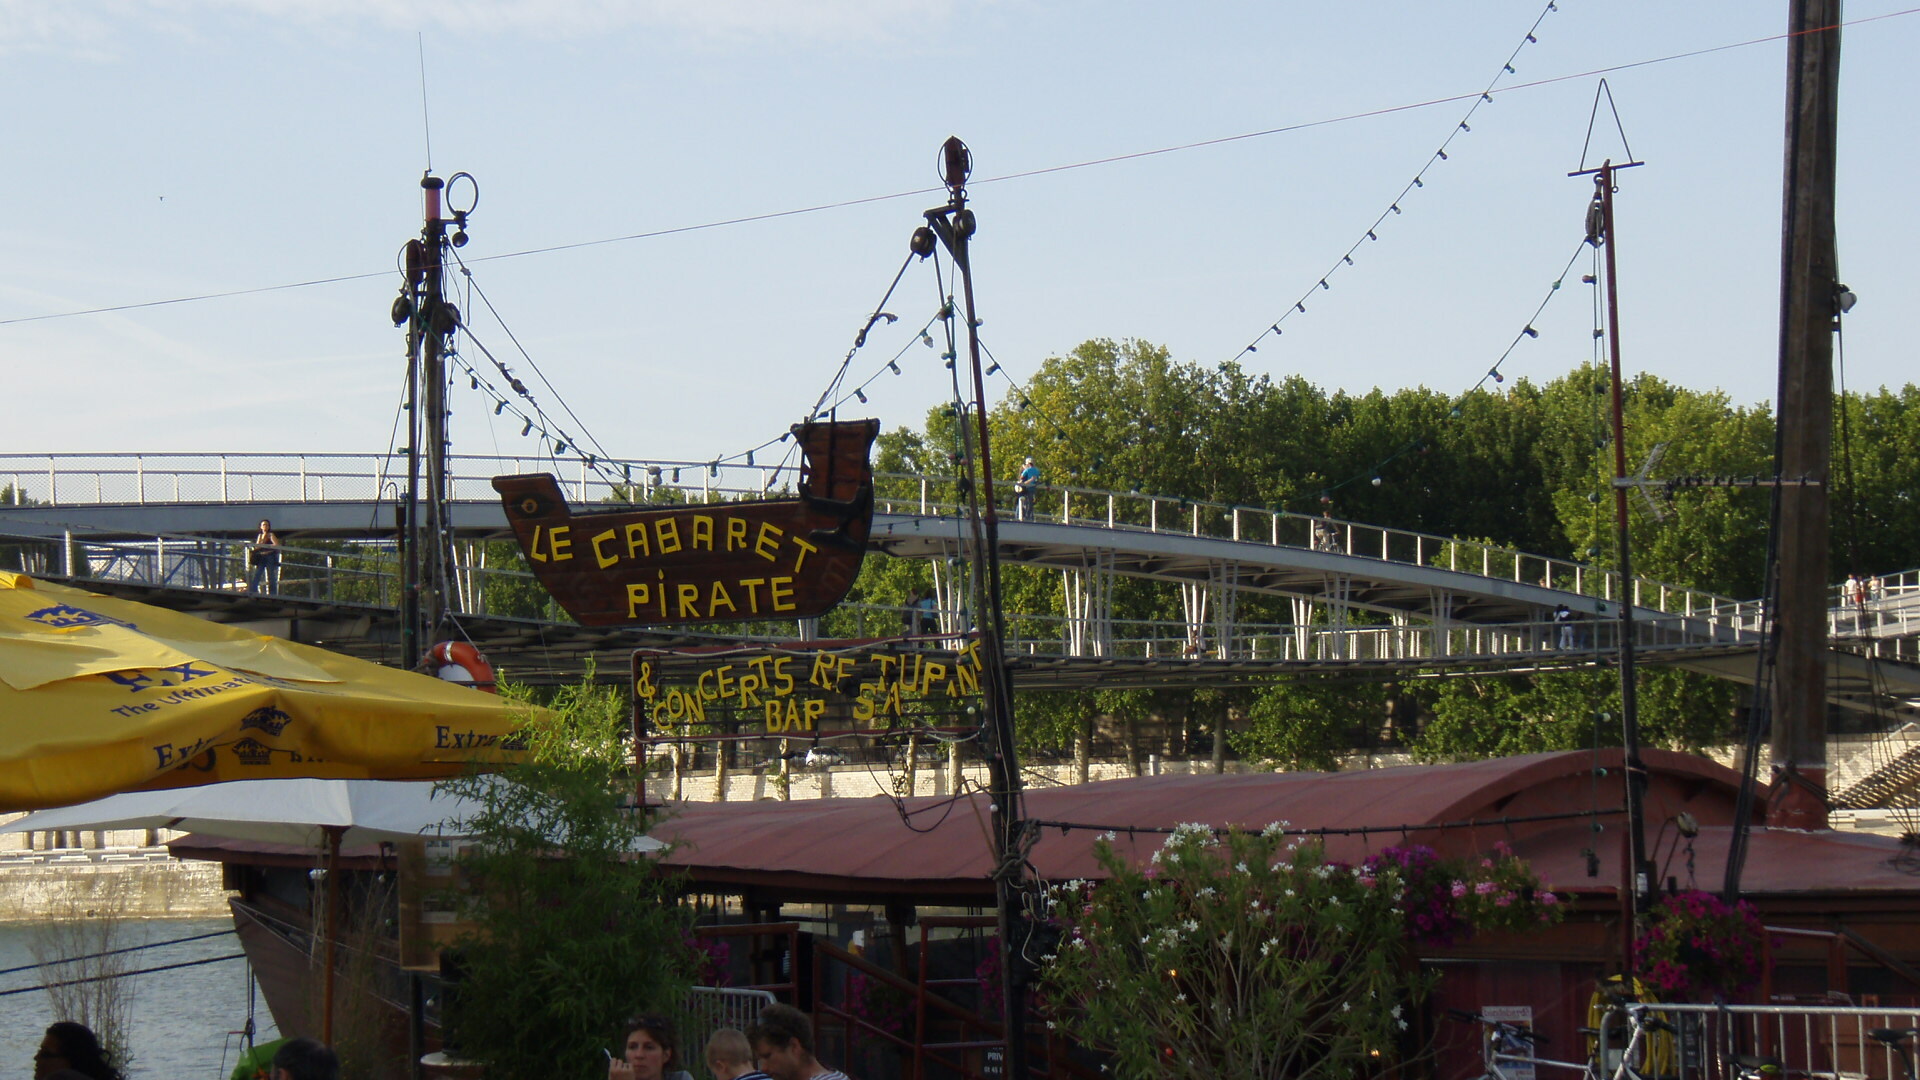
71, 1051
650, 1052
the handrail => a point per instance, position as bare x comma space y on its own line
128, 478
368, 574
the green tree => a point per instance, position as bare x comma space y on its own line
573, 931
1309, 723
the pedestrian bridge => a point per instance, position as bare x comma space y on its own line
1259, 590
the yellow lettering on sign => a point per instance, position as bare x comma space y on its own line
736, 533
533, 549
722, 683
558, 543
750, 685
816, 708
931, 673
752, 585
805, 550
637, 598
637, 540
702, 538
605, 560
689, 597
667, 532
822, 674
766, 546
717, 597
780, 592
782, 682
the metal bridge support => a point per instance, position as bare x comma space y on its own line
1211, 606
1441, 603
1089, 593
1337, 599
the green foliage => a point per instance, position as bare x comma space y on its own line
1526, 466
1306, 724
574, 932
1232, 958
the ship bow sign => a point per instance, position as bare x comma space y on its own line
785, 558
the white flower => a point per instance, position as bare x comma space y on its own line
1109, 836
1394, 1012
1402, 1023
1266, 947
1289, 892
1208, 891
1240, 867
1181, 996
1192, 926
1050, 1025
1346, 1006
1148, 895
1274, 828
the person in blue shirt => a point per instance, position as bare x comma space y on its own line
1023, 489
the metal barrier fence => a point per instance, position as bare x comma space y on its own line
120, 479
367, 573
1824, 1041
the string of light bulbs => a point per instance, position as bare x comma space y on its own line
1372, 233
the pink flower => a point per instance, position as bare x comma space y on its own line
1459, 888
1485, 887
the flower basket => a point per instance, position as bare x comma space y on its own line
1700, 946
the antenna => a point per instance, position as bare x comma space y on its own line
426, 120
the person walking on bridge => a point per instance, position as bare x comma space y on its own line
264, 557
1023, 488
1563, 618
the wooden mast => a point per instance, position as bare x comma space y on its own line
1808, 290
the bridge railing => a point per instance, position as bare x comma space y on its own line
138, 479
898, 493
367, 574
1047, 636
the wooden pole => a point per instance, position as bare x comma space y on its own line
332, 930
1809, 283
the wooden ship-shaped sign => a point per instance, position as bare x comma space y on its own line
785, 558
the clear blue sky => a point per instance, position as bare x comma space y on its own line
160, 150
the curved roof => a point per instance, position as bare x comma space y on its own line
937, 846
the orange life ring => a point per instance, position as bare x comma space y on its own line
459, 662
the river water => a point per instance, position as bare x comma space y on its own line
181, 1018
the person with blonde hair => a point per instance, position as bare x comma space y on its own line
730, 1056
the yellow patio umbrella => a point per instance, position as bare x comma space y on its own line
99, 695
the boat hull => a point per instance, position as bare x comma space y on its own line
763, 559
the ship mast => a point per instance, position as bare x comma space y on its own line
953, 224
426, 529
1809, 290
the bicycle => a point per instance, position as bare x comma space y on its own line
1899, 1041
1503, 1039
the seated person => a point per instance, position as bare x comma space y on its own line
650, 1052
730, 1056
783, 1044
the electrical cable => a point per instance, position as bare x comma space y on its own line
1299, 306
476, 290
1022, 175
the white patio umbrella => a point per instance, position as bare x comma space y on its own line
299, 812
305, 812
